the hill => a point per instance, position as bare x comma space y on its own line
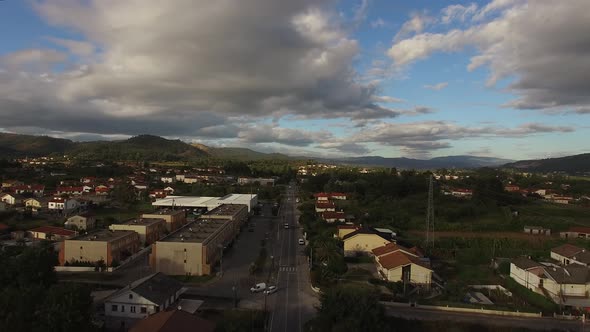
26, 145
434, 163
243, 154
571, 164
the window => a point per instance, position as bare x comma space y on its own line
143, 310
122, 308
130, 296
114, 308
185, 261
132, 309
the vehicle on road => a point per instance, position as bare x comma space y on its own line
270, 290
258, 287
301, 242
286, 225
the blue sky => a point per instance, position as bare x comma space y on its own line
502, 78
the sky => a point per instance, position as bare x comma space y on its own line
391, 78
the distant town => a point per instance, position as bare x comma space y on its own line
227, 242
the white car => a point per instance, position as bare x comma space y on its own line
301, 242
258, 288
270, 290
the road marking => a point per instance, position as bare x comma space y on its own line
287, 269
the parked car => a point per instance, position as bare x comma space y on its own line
301, 242
258, 288
270, 290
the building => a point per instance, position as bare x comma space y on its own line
237, 213
142, 298
196, 248
62, 204
577, 232
36, 190
568, 285
343, 230
174, 218
11, 199
332, 216
158, 193
108, 246
101, 190
209, 203
364, 240
261, 181
168, 179
324, 206
70, 190
567, 254
511, 188
397, 263
51, 233
462, 193
83, 221
35, 204
329, 196
150, 230
173, 320
537, 230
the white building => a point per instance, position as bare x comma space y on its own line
209, 203
140, 299
63, 204
168, 179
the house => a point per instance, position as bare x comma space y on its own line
51, 233
62, 204
168, 179
568, 285
102, 190
169, 190
324, 206
339, 196
363, 241
343, 230
173, 321
397, 263
142, 298
321, 197
70, 190
332, 216
462, 193
261, 181
101, 245
578, 232
11, 199
567, 254
10, 183
36, 190
149, 229
537, 230
83, 221
158, 193
174, 218
511, 188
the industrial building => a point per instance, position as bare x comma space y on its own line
197, 247
208, 203
150, 230
105, 245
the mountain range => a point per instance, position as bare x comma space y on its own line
151, 148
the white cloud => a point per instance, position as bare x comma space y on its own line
437, 87
417, 23
537, 44
379, 23
457, 13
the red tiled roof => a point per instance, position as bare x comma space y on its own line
53, 230
29, 187
173, 321
321, 195
398, 259
567, 250
332, 215
580, 229
325, 205
393, 247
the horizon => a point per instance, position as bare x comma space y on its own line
350, 78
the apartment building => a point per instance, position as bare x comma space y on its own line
174, 218
149, 230
196, 248
109, 246
83, 221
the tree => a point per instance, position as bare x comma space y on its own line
349, 307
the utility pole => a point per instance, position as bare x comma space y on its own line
430, 214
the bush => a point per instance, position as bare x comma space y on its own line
532, 298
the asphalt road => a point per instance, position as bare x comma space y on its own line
541, 324
293, 303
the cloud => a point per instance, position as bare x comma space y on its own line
131, 70
346, 147
379, 23
387, 99
420, 138
286, 136
416, 24
457, 13
538, 45
437, 87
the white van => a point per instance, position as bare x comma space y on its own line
258, 287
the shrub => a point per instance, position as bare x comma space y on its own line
532, 298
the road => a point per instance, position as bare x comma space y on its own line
541, 324
293, 303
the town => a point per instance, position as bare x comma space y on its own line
212, 246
